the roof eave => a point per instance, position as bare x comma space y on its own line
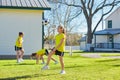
29, 8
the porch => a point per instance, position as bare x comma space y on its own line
107, 40
107, 47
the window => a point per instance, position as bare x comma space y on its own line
109, 23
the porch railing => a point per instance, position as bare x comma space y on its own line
108, 45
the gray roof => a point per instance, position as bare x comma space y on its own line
25, 4
108, 32
83, 39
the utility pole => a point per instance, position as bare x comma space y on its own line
102, 20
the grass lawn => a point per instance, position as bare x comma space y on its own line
77, 68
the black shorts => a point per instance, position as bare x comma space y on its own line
59, 53
18, 48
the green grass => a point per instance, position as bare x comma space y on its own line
108, 55
77, 68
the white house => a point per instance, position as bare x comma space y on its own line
83, 43
21, 16
109, 38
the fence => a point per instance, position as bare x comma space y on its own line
72, 47
108, 45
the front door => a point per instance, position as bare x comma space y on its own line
110, 41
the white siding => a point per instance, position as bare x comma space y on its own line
14, 21
83, 45
115, 17
101, 39
117, 38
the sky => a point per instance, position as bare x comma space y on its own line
82, 28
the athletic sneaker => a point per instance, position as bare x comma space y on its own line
21, 60
18, 61
62, 72
43, 63
45, 67
56, 62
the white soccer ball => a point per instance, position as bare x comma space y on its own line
45, 22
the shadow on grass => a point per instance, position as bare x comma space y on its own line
17, 77
108, 60
74, 66
117, 65
19, 64
26, 77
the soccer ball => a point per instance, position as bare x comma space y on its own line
45, 22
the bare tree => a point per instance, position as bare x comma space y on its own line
64, 14
90, 8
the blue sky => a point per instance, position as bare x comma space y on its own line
83, 28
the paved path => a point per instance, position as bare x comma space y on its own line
95, 55
91, 55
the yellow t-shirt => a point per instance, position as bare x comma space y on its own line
41, 52
58, 39
19, 42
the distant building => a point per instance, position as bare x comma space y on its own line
21, 16
109, 38
83, 43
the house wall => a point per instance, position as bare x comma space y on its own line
117, 38
83, 45
12, 22
101, 39
115, 17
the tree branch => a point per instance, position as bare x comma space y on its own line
102, 18
100, 6
84, 9
74, 16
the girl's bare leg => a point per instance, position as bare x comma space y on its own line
18, 55
22, 53
53, 59
43, 61
49, 57
61, 62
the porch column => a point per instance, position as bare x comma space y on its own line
95, 41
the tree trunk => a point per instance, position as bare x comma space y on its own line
89, 31
89, 34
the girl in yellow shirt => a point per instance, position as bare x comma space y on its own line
59, 49
19, 48
39, 55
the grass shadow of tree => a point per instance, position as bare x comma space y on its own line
19, 64
116, 65
108, 60
26, 77
74, 66
17, 77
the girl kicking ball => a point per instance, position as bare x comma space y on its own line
59, 49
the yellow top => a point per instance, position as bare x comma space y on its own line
58, 39
41, 52
19, 42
